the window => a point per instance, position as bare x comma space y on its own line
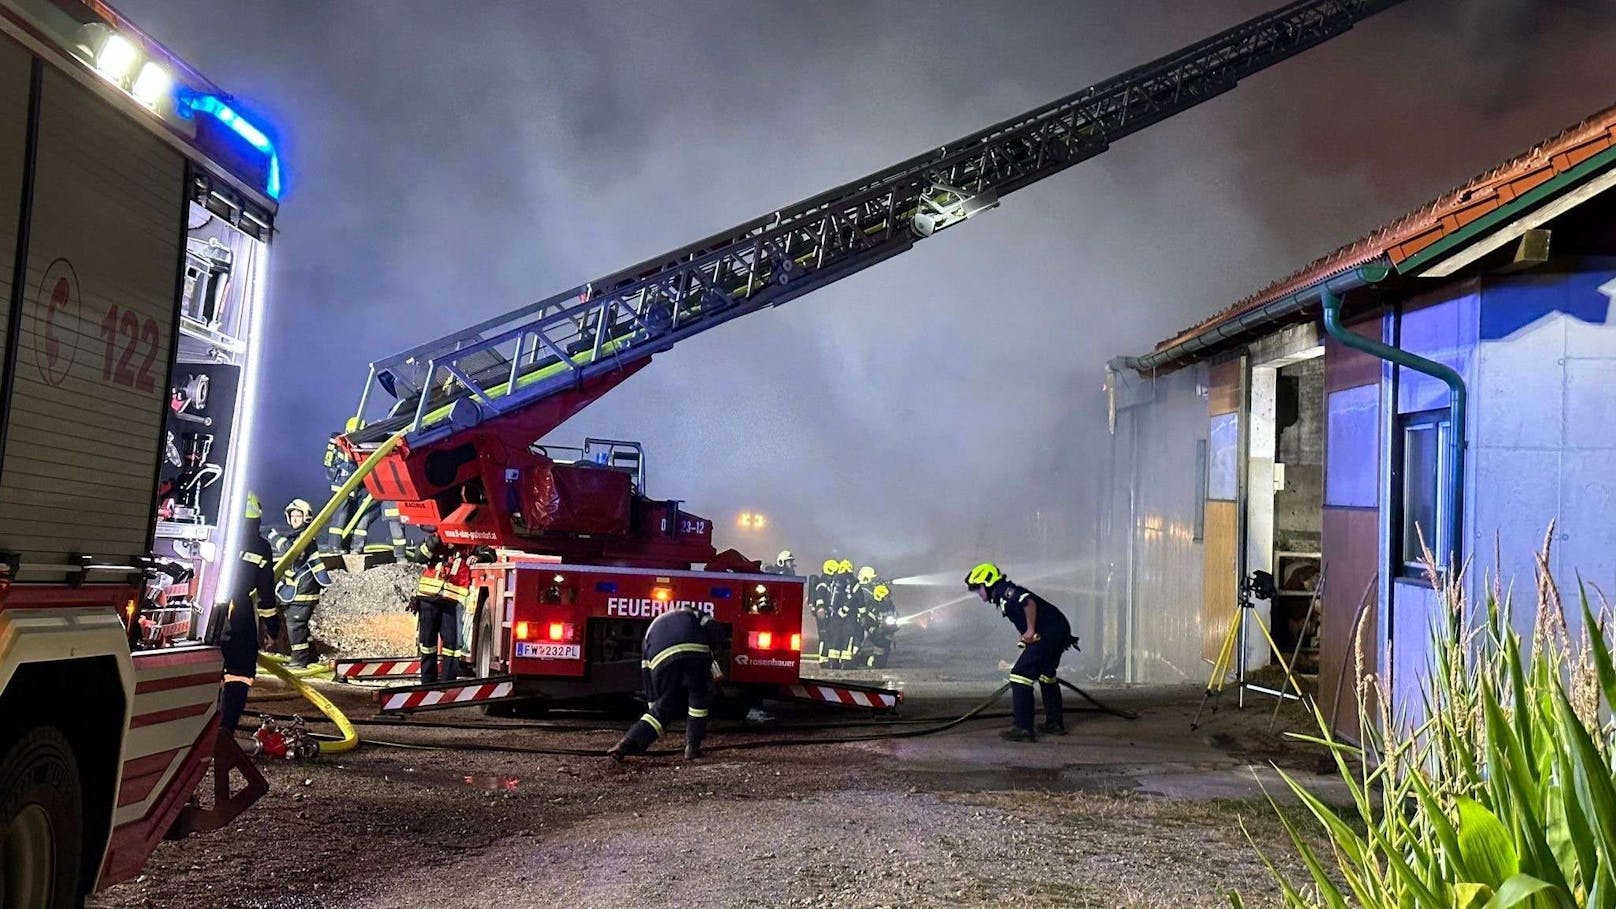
1223, 460
1351, 455
1200, 489
1423, 505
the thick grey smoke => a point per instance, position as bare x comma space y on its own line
450, 161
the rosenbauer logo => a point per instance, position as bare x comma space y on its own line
767, 662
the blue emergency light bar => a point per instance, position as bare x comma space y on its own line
220, 110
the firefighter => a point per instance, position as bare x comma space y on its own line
678, 668
863, 609
880, 627
338, 468
1045, 635
370, 518
300, 588
784, 564
254, 585
298, 512
844, 615
439, 605
824, 591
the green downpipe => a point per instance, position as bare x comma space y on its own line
1456, 408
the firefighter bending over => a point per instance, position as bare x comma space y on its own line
439, 604
254, 586
678, 668
1045, 635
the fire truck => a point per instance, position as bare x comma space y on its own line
585, 555
137, 202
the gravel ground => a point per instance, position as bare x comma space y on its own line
1118, 814
362, 613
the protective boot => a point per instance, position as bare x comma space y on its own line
232, 701
695, 732
638, 738
1021, 714
1054, 717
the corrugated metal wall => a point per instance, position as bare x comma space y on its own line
1151, 528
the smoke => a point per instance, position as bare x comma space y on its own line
449, 162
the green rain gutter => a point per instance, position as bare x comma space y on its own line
1456, 409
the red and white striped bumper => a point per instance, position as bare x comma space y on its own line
845, 695
357, 670
398, 700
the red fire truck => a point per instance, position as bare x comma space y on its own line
456, 424
136, 208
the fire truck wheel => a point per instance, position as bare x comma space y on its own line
41, 822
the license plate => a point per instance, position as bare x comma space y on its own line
546, 651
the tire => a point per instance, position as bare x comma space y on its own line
41, 822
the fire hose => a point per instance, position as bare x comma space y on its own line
349, 738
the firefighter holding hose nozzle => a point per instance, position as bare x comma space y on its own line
1045, 636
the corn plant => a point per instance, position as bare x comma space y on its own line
1504, 795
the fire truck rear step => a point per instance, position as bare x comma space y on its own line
443, 695
843, 694
361, 669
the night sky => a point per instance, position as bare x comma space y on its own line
446, 162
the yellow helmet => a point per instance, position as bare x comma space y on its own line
881, 592
255, 508
984, 575
353, 424
844, 567
831, 566
866, 575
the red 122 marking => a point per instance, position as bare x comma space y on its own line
134, 332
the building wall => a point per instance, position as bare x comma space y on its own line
1151, 525
1351, 527
1544, 435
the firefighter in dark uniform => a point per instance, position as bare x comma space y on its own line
678, 668
863, 606
823, 587
254, 585
300, 588
338, 468
844, 615
1045, 635
880, 627
439, 605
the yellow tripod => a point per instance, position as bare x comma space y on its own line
1232, 654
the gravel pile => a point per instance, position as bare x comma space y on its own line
362, 613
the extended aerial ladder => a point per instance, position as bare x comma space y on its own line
470, 404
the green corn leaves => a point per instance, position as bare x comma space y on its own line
1505, 796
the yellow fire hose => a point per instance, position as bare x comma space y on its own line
350, 737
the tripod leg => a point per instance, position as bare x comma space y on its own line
1220, 671
1296, 654
1280, 656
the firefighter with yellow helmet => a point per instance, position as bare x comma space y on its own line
1044, 636
822, 594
